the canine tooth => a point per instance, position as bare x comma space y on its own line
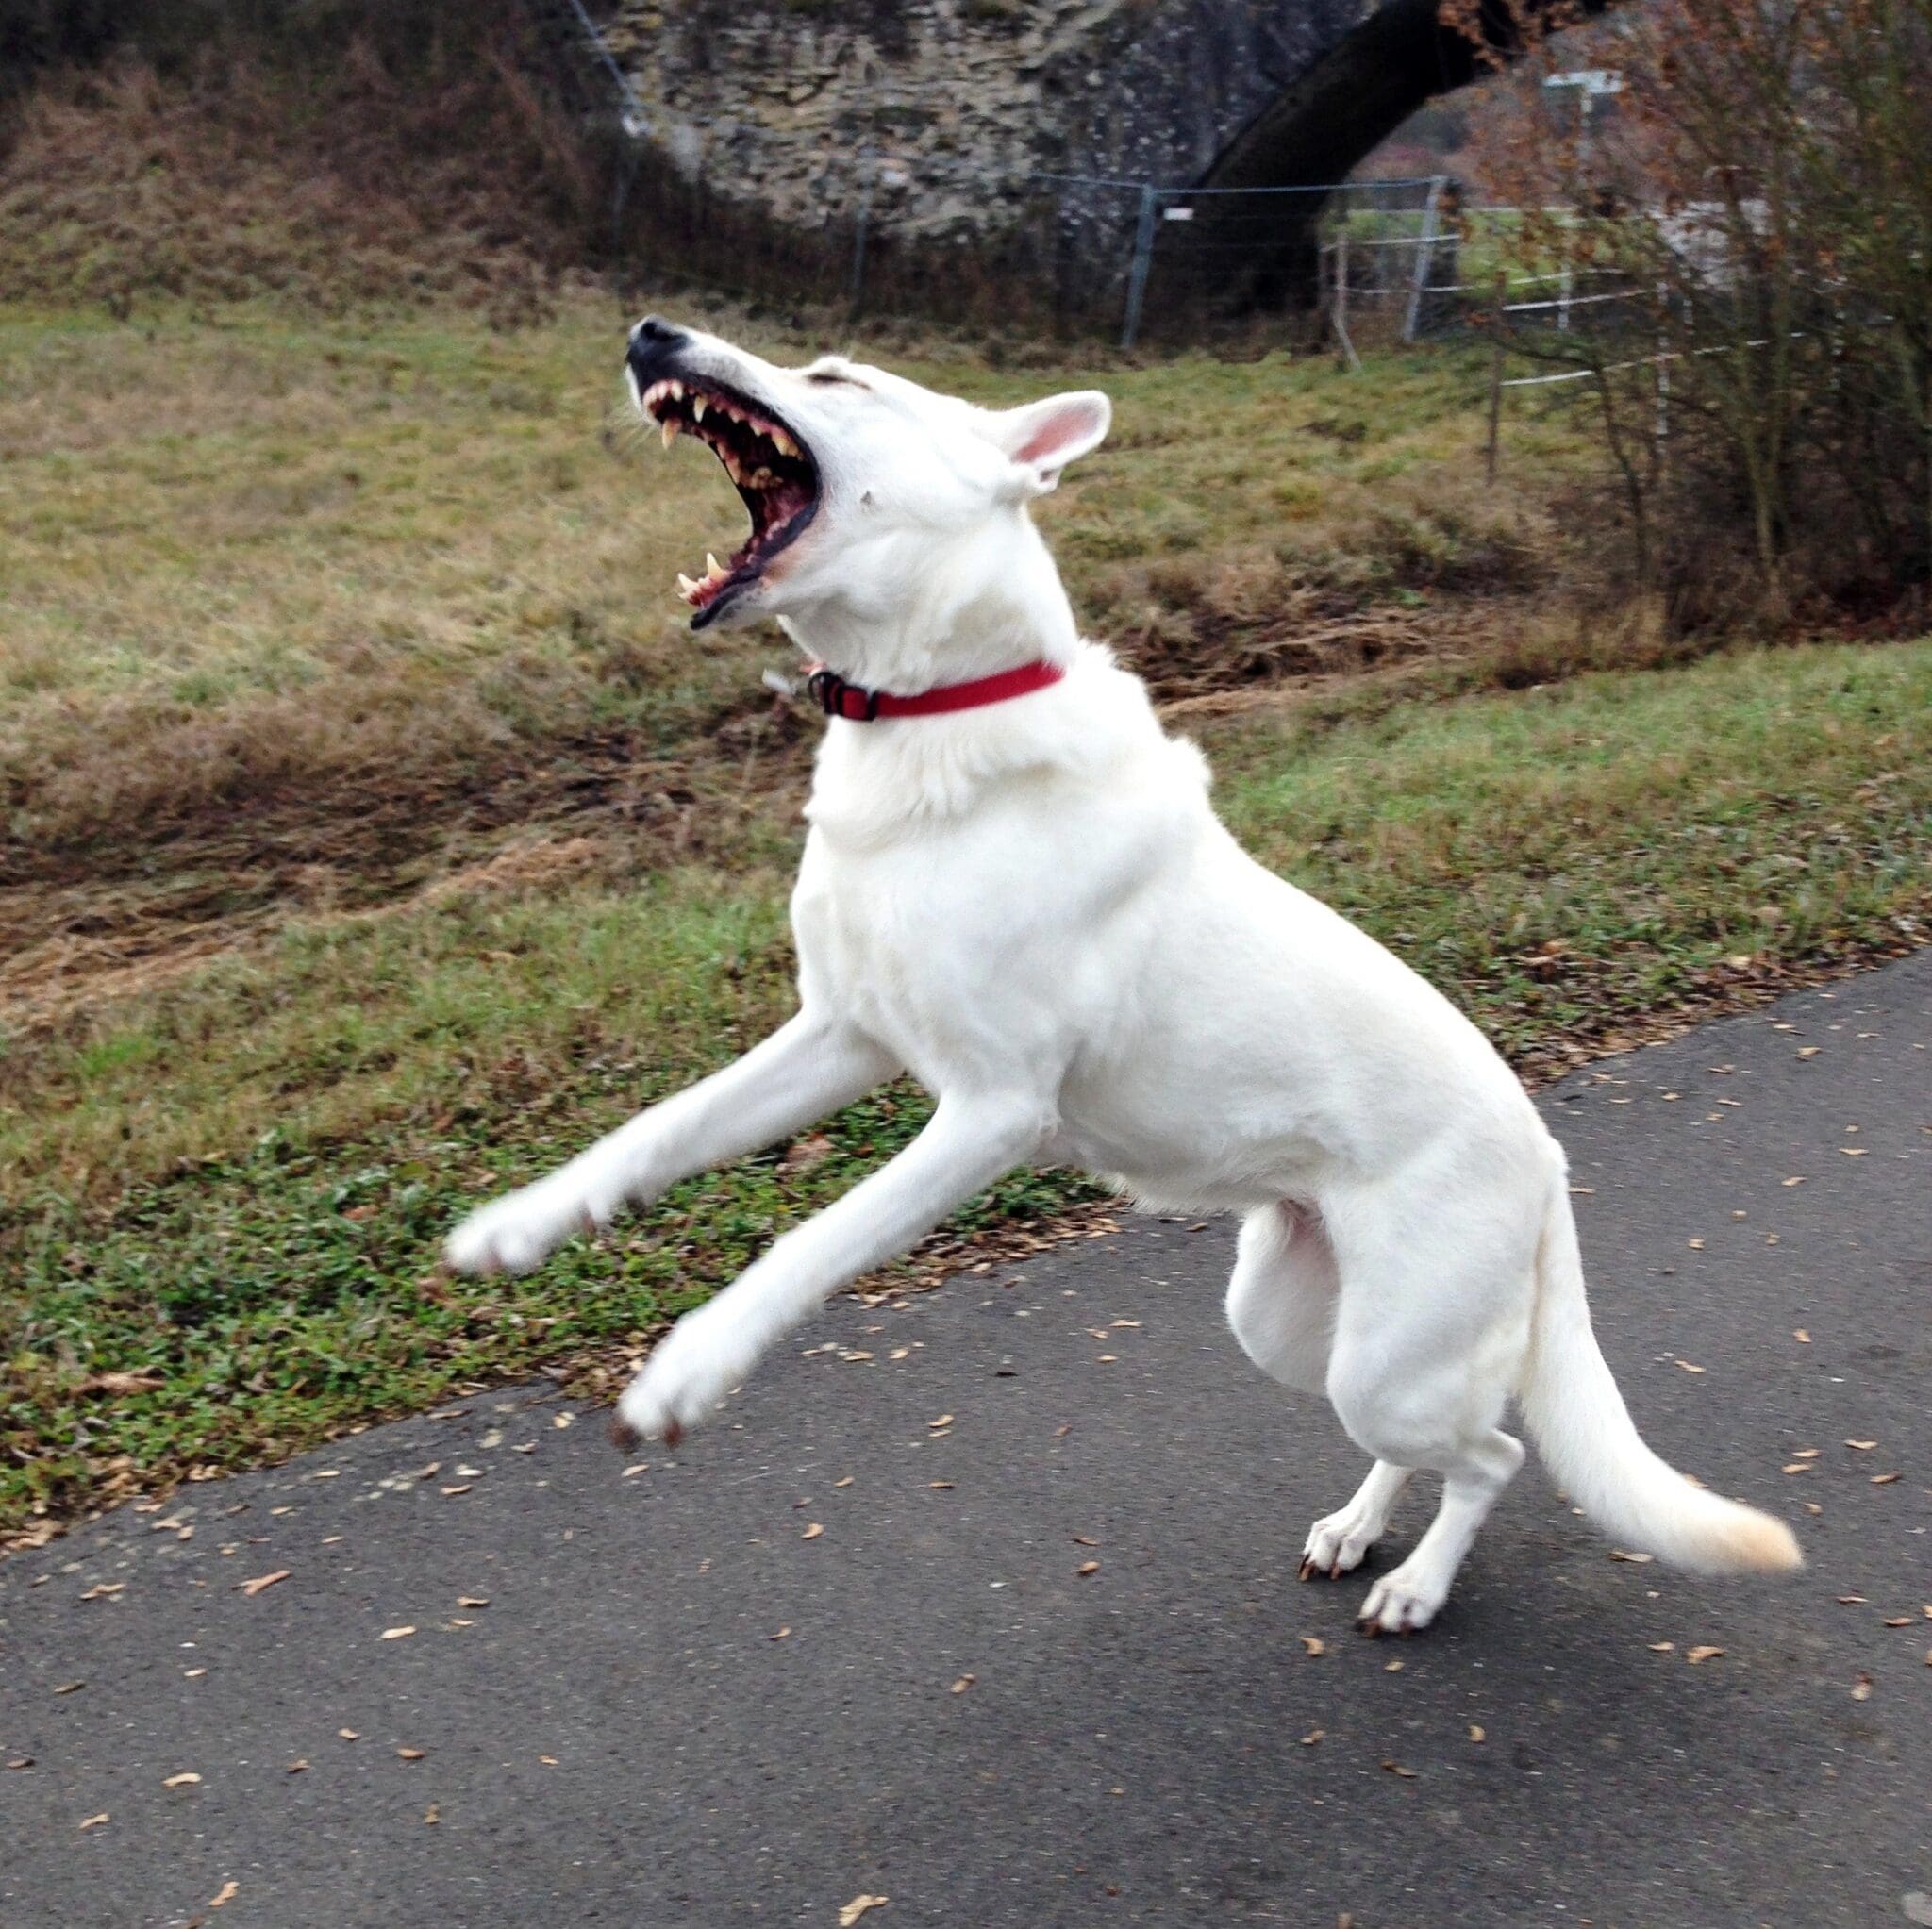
713, 566
676, 388
671, 430
783, 444
697, 408
686, 587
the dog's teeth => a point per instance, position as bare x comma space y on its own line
671, 430
686, 587
783, 444
676, 388
714, 568
698, 406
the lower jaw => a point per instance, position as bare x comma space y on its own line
732, 593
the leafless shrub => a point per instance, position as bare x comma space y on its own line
1760, 207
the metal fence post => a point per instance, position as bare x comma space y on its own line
1424, 259
1144, 258
856, 299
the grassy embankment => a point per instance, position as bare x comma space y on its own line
376, 833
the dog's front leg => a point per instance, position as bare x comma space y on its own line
806, 1069
968, 1143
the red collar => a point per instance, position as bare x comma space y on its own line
837, 698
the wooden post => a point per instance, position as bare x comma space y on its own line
1497, 375
1339, 308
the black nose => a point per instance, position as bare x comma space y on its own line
654, 340
655, 328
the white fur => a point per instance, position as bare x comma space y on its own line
1032, 908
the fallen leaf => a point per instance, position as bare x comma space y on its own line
1796, 1467
461, 1487
1085, 1541
1696, 1245
846, 1481
93, 1821
19, 1761
229, 1890
103, 1590
120, 1383
1313, 1736
261, 1581
857, 1907
1088, 1567
409, 1753
348, 1734
397, 1634
1395, 1768
1803, 1338
940, 1486
1392, 1668
965, 1682
432, 1814
1662, 1647
1689, 1368
1861, 1688
70, 1687
185, 1779
1634, 1559
1476, 1731
812, 1532
296, 1768
561, 1418
1796, 1179
1885, 1479
783, 1634
1854, 1151
1805, 1452
1314, 1644
1861, 1446
549, 1761
1851, 1601
944, 1419
1696, 1655
472, 1601
1898, 1621
1807, 1050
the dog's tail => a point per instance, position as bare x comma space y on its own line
1586, 1435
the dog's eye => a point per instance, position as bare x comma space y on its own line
826, 375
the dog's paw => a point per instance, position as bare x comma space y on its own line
1337, 1541
1405, 1600
518, 1232
693, 1368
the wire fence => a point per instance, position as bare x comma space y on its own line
873, 230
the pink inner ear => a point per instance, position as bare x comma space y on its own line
1053, 434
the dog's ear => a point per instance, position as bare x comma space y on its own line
1043, 437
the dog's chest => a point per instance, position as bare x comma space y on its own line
995, 942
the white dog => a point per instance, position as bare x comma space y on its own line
1014, 888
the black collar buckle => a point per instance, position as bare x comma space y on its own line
835, 696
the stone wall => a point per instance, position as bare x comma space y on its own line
960, 106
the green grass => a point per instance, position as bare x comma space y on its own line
235, 1186
248, 558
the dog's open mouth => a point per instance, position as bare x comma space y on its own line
774, 472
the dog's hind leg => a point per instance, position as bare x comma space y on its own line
1281, 1299
1431, 1326
1281, 1305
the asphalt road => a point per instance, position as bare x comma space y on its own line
842, 1646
